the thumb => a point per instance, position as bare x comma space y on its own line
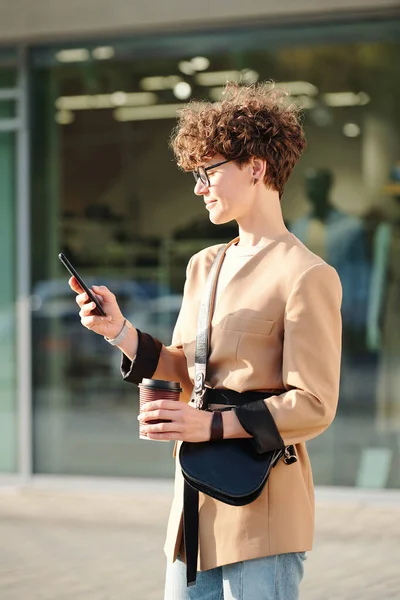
104, 292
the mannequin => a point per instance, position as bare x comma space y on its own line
318, 184
383, 332
341, 240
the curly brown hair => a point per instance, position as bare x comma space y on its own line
252, 120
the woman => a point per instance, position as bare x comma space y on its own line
276, 328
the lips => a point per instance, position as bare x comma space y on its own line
210, 203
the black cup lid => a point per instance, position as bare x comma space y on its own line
160, 384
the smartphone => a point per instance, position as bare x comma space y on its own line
98, 310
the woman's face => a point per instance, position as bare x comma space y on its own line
228, 197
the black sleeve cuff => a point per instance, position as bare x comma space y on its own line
256, 419
146, 360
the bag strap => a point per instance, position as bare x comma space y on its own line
190, 494
204, 329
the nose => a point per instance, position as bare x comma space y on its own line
200, 188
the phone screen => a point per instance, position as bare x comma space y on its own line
99, 310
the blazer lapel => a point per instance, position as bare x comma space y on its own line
248, 279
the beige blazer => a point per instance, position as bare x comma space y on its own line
276, 325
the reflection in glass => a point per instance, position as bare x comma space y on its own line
8, 399
107, 193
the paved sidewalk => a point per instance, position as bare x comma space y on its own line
103, 545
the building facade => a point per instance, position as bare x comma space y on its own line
89, 94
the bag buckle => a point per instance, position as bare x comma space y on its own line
289, 456
198, 400
199, 391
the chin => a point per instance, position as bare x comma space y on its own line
219, 219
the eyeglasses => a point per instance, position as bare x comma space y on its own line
201, 172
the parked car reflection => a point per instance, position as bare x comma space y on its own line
158, 316
62, 348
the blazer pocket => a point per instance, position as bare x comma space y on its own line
248, 325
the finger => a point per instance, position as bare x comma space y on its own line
157, 414
81, 299
87, 309
99, 298
169, 436
162, 403
160, 428
74, 285
105, 294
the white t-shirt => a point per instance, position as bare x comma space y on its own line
235, 258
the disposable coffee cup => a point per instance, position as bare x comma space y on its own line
156, 389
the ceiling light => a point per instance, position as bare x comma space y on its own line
64, 117
321, 116
147, 113
346, 99
215, 93
298, 88
118, 98
182, 90
160, 82
103, 52
73, 55
304, 102
97, 101
213, 78
216, 78
83, 102
249, 76
363, 98
200, 63
351, 130
186, 67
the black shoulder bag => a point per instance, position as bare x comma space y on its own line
229, 470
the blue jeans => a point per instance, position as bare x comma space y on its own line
271, 578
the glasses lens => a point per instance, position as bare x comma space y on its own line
203, 175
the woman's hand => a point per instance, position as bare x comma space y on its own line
186, 422
108, 326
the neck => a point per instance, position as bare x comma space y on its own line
263, 222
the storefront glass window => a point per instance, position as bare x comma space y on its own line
8, 401
107, 193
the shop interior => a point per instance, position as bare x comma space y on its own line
107, 193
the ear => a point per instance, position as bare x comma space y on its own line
258, 168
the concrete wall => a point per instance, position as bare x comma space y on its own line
35, 20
